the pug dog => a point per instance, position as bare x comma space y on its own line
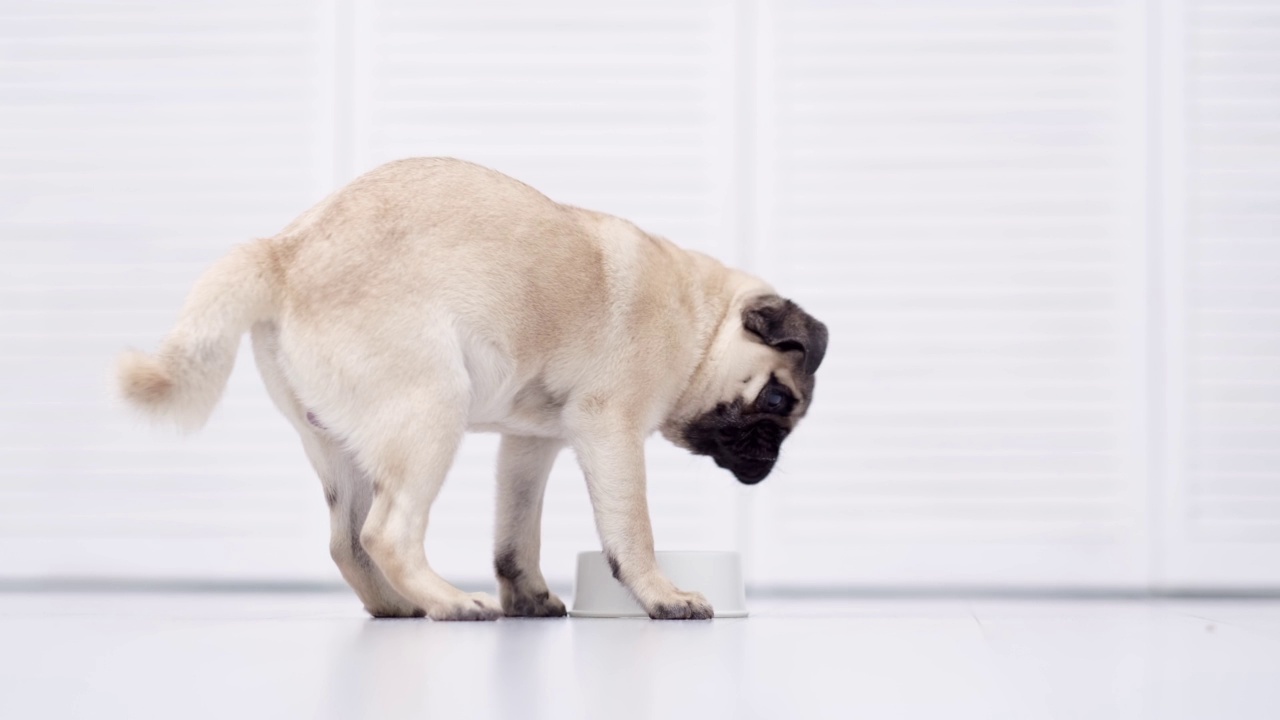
432, 297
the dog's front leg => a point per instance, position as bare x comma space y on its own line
612, 458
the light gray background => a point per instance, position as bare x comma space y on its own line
1044, 236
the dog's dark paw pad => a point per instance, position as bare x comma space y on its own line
540, 604
477, 607
395, 611
694, 607
669, 611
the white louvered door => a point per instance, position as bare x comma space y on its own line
625, 108
957, 189
1222, 495
139, 141
1043, 234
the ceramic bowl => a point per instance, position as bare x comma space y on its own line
717, 575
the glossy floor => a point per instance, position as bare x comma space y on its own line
316, 656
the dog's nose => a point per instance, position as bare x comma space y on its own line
751, 476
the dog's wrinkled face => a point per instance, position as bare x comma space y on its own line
768, 384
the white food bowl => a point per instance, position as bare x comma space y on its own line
717, 575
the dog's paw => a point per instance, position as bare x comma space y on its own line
516, 603
680, 605
473, 606
395, 610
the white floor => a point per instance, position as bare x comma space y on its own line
316, 656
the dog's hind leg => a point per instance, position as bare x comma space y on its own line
400, 404
347, 489
408, 445
349, 493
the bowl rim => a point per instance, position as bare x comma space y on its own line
582, 553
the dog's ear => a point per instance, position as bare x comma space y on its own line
782, 325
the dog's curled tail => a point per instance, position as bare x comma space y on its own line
183, 381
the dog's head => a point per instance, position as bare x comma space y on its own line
763, 370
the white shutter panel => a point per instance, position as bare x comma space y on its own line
1223, 522
141, 141
624, 108
956, 189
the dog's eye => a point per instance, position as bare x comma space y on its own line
773, 400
